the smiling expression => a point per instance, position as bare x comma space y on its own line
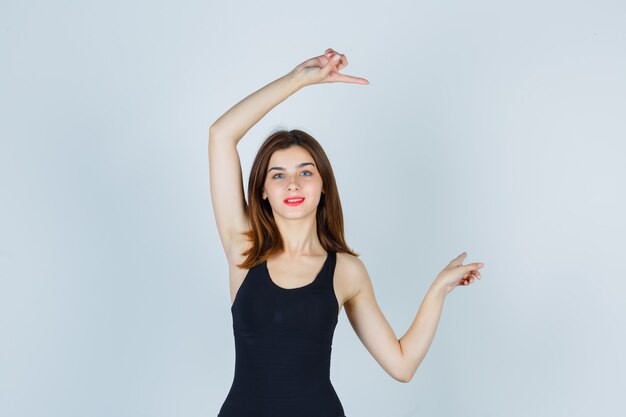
292, 173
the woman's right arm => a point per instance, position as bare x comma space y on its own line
227, 195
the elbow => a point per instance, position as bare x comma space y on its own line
214, 128
403, 377
405, 374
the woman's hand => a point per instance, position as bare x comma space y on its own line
456, 274
325, 69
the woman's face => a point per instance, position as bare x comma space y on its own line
292, 173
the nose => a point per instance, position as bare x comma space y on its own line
293, 186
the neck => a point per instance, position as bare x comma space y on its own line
299, 236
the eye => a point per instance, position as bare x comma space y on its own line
308, 172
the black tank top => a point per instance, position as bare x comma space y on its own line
283, 342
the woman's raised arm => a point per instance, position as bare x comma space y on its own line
227, 193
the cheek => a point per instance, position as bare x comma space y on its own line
273, 192
320, 187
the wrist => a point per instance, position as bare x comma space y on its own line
294, 80
438, 289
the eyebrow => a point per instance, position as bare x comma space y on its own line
300, 165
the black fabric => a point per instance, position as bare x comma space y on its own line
283, 343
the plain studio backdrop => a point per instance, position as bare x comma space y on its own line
491, 127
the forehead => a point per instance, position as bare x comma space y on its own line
291, 156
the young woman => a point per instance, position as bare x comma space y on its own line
291, 271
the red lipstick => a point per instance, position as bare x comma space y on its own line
294, 201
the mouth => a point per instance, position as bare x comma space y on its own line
293, 201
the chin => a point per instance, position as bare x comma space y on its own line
291, 215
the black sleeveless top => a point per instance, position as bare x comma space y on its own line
283, 342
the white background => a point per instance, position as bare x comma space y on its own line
492, 127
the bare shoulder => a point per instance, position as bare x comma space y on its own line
351, 275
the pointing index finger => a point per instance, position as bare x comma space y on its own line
350, 79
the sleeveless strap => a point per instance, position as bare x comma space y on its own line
329, 270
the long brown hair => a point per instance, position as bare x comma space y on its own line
264, 233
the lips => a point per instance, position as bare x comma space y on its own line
294, 201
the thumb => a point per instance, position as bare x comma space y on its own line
458, 260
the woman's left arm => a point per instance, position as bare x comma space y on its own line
400, 358
417, 340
